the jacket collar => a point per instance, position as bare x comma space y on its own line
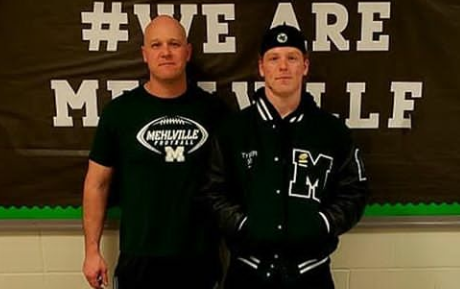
267, 111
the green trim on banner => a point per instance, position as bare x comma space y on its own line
376, 210
373, 210
48, 213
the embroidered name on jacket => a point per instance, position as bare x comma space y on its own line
310, 174
249, 158
173, 137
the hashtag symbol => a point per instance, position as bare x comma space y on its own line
112, 20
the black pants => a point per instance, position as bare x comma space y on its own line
165, 273
242, 276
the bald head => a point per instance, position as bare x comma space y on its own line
164, 24
166, 52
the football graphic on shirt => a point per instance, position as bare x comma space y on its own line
173, 136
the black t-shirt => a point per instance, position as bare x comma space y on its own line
156, 148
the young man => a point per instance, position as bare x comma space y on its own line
149, 147
285, 178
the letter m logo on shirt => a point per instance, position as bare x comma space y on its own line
174, 154
309, 174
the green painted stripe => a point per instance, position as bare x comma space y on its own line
372, 210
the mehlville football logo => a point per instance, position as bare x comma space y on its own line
173, 137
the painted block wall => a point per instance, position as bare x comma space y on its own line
367, 258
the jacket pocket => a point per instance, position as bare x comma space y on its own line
308, 230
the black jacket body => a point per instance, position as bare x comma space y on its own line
284, 187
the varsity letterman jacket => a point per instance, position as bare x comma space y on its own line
284, 188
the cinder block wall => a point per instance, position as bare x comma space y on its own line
368, 258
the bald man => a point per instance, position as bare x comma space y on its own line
148, 148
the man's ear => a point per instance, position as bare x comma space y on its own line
261, 69
144, 57
189, 51
307, 65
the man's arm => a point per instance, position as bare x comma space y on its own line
214, 194
346, 207
95, 194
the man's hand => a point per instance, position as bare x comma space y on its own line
95, 270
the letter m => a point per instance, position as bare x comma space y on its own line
172, 155
66, 98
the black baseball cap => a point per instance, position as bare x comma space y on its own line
282, 36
